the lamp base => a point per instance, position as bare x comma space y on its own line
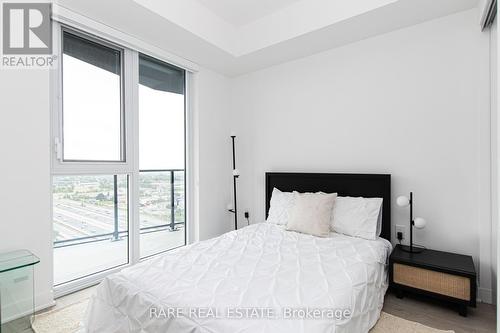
414, 249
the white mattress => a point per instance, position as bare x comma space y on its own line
259, 266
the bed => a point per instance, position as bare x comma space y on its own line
260, 278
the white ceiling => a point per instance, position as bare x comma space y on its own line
297, 29
242, 12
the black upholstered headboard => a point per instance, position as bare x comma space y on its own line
345, 184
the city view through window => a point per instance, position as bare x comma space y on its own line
90, 223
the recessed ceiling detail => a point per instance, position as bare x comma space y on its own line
242, 27
242, 12
234, 37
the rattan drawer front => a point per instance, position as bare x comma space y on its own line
436, 282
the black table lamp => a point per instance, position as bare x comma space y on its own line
419, 223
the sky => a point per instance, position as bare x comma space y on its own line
92, 129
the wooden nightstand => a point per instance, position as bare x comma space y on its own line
447, 276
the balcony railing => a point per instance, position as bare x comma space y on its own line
111, 236
120, 234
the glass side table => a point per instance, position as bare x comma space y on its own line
17, 289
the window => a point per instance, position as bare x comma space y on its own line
92, 107
161, 156
90, 225
119, 176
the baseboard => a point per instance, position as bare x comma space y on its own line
485, 295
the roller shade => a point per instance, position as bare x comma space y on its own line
159, 75
92, 53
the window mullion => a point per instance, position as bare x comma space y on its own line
132, 125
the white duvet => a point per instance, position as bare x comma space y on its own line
261, 278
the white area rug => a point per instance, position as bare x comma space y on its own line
67, 320
388, 323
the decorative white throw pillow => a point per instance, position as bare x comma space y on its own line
357, 217
311, 213
281, 203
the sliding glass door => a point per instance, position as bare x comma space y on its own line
119, 188
161, 156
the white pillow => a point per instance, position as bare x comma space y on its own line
379, 221
357, 217
281, 203
311, 213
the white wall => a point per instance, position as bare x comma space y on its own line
213, 177
413, 103
25, 171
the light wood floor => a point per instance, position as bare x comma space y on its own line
440, 315
431, 313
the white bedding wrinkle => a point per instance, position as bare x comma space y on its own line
261, 278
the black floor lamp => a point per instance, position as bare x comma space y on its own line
236, 174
